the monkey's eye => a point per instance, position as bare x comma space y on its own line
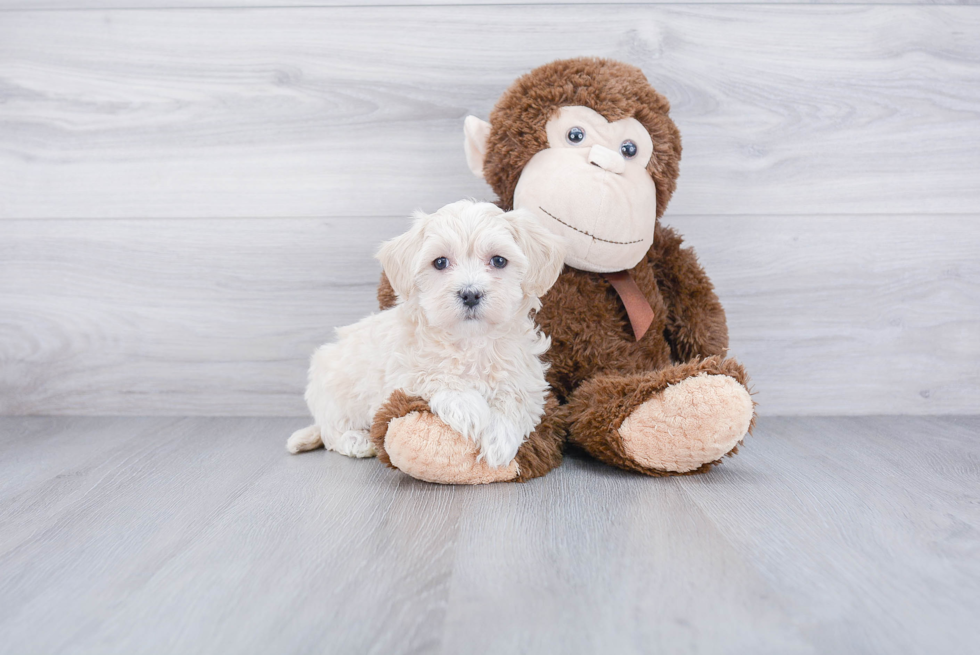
498, 262
628, 148
575, 136
440, 263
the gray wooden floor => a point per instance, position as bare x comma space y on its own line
166, 535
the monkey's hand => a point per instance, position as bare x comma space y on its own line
410, 437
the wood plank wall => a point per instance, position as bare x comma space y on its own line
191, 191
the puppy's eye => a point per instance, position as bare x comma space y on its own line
628, 148
498, 262
440, 263
575, 135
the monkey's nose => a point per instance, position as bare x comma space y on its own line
606, 159
471, 297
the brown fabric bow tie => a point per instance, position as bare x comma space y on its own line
637, 306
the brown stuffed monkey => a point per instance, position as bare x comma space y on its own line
638, 374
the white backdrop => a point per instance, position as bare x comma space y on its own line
191, 193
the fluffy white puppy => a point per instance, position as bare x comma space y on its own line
461, 336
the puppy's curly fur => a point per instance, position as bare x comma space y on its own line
460, 336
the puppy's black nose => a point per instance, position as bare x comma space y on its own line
470, 297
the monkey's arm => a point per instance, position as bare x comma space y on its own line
696, 326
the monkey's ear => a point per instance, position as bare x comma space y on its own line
475, 135
545, 252
397, 257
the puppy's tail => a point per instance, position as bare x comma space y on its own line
305, 439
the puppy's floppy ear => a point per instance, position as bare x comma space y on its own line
397, 257
544, 251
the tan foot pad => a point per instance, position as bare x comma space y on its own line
426, 448
691, 423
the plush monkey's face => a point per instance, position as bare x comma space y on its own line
590, 186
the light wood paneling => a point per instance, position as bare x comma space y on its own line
358, 111
255, 158
36, 5
850, 315
176, 317
204, 536
832, 315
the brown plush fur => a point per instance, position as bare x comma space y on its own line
399, 404
688, 320
542, 450
599, 373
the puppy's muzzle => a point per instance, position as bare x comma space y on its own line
471, 296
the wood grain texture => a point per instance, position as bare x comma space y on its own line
176, 317
45, 5
831, 315
345, 111
203, 535
850, 315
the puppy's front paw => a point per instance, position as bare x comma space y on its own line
466, 412
500, 441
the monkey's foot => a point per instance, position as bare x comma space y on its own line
673, 421
688, 424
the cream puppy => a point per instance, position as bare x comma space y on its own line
461, 337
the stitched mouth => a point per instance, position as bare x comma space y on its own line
591, 236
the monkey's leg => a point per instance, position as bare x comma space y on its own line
678, 420
409, 437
